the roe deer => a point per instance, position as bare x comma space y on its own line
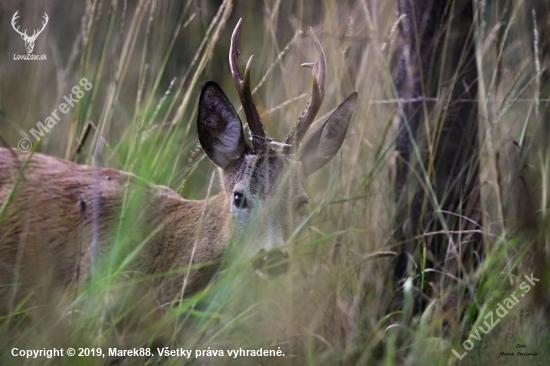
56, 216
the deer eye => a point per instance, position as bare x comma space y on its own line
239, 201
301, 207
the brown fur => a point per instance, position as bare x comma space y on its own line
50, 216
53, 213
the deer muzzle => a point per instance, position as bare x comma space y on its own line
272, 263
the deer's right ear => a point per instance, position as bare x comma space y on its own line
219, 127
325, 137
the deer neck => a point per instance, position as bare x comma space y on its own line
194, 231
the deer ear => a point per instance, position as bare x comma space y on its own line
325, 137
219, 127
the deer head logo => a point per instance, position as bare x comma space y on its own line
29, 40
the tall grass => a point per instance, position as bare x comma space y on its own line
147, 61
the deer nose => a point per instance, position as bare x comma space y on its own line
272, 263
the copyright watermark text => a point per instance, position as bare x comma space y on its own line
77, 93
146, 352
501, 311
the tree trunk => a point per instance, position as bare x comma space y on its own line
436, 184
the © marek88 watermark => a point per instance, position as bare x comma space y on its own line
25, 144
501, 311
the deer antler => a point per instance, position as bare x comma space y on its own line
13, 19
243, 88
24, 34
317, 94
34, 34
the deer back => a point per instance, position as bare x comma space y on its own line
56, 210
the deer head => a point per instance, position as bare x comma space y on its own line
29, 40
263, 183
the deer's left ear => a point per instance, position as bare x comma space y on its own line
325, 137
219, 127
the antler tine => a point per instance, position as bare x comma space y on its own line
243, 88
43, 26
45, 22
317, 94
13, 21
